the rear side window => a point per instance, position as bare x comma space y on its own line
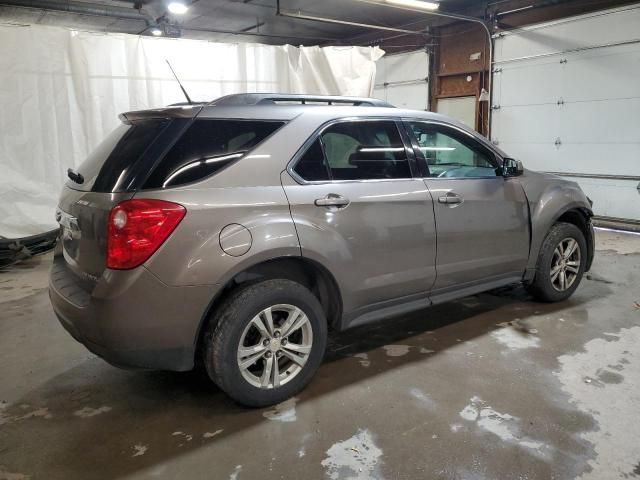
206, 147
107, 165
366, 150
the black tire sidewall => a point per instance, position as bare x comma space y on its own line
542, 286
222, 344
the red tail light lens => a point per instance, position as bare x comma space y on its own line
137, 228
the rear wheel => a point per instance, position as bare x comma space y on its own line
561, 263
266, 342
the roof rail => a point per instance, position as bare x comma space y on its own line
275, 98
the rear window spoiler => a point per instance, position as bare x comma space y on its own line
176, 111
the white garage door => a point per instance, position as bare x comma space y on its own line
567, 100
402, 80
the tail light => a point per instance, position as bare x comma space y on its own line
137, 228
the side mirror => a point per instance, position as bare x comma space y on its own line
512, 167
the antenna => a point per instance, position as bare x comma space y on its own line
178, 80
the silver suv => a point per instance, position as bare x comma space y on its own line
237, 233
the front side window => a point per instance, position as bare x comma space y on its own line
206, 147
449, 155
359, 150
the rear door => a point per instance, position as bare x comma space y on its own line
481, 217
359, 212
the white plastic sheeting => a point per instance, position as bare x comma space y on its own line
61, 92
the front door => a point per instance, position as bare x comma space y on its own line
481, 216
358, 211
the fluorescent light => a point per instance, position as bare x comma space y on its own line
178, 8
156, 31
413, 4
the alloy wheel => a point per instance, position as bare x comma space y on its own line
275, 346
565, 264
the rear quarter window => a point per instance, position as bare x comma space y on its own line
207, 147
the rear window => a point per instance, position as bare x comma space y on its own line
207, 147
105, 167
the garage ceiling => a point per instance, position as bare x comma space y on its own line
227, 20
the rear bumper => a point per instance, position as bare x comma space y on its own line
13, 250
131, 319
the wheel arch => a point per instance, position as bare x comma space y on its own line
302, 270
581, 218
574, 213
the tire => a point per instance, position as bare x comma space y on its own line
235, 321
547, 287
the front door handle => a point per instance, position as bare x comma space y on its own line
450, 198
332, 200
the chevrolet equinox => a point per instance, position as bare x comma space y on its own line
238, 232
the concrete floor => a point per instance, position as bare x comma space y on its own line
492, 386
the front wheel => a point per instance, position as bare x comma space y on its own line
561, 263
266, 342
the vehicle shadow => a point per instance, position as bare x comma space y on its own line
93, 417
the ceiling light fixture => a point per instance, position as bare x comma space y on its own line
178, 8
156, 31
418, 4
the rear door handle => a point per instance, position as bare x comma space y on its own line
332, 200
450, 198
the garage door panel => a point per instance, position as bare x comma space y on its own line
411, 96
612, 198
412, 65
527, 124
402, 80
542, 84
599, 159
602, 74
408, 96
593, 159
619, 25
535, 156
608, 121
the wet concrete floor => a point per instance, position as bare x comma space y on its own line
494, 386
